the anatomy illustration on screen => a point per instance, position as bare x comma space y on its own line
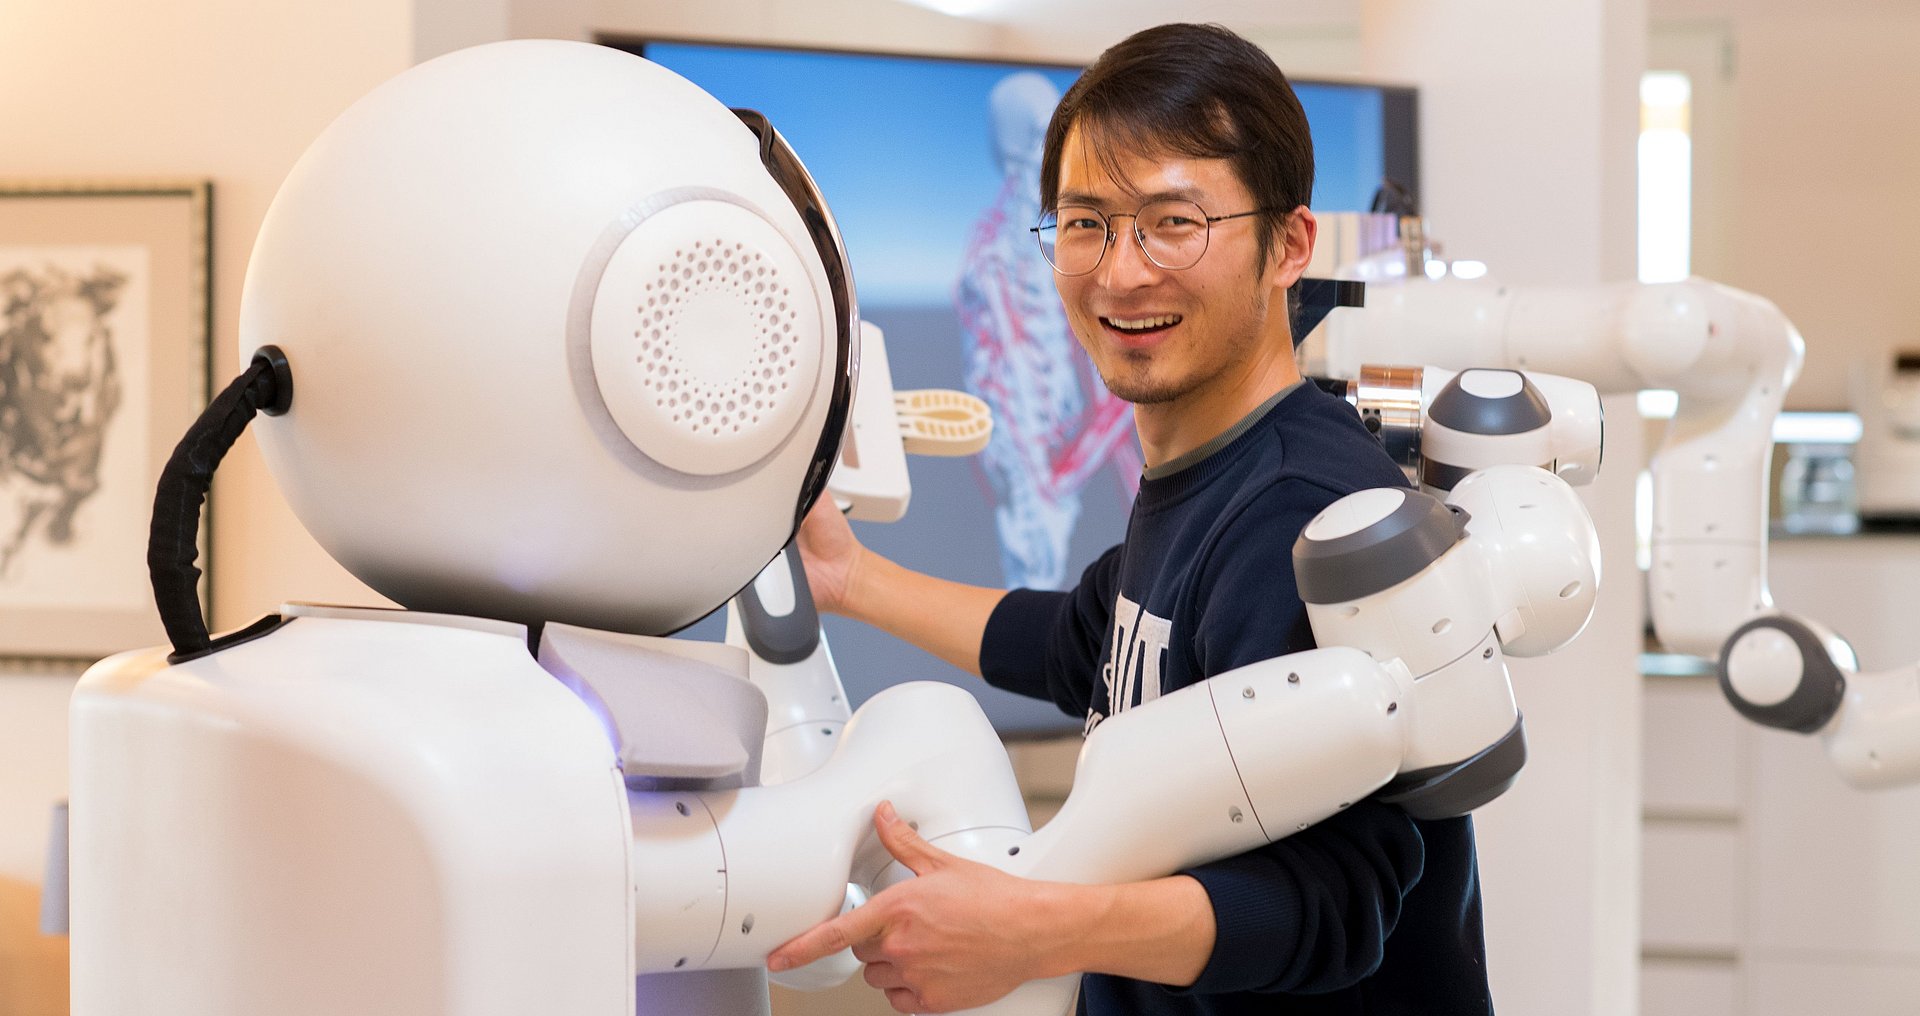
1055, 423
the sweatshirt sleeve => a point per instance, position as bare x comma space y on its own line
1250, 606
1068, 626
1312, 912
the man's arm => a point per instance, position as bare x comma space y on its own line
945, 618
1312, 912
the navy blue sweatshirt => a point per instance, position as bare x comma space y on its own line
1369, 912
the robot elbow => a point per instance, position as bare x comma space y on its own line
1782, 672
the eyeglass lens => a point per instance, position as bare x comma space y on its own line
1173, 235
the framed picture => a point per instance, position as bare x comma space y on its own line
104, 363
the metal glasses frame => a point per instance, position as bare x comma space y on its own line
1139, 235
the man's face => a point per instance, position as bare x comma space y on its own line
1158, 336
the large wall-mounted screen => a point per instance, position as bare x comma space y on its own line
931, 168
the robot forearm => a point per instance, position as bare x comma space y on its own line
1210, 771
1214, 770
718, 880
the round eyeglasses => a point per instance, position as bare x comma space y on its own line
1172, 234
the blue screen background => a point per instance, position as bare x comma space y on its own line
899, 147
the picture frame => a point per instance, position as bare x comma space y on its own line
105, 325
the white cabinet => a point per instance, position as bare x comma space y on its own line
1770, 887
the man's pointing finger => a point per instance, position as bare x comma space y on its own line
825, 939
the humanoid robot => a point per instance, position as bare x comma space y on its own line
1730, 356
556, 388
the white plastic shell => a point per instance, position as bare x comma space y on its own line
1354, 513
870, 480
1875, 741
702, 326
1478, 451
350, 815
1578, 431
791, 849
1765, 666
1523, 579
1427, 620
1540, 553
457, 269
1213, 771
806, 703
1575, 437
1873, 736
1356, 741
679, 882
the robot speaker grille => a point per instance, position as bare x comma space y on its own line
707, 371
734, 275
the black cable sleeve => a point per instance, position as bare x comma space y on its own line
173, 540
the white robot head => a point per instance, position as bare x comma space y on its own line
570, 340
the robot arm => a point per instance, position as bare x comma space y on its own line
1440, 425
1729, 355
1419, 600
774, 618
1794, 674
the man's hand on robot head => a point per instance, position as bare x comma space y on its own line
957, 936
831, 554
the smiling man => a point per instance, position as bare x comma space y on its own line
1175, 176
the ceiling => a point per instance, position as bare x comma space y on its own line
1102, 19
1107, 19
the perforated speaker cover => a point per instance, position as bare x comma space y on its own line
696, 337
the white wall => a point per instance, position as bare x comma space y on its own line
201, 88
1773, 888
1312, 40
1820, 163
1324, 52
1529, 114
33, 772
1528, 119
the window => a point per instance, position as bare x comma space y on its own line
1666, 177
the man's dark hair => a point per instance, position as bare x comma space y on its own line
1198, 91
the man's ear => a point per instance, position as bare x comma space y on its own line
1288, 260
